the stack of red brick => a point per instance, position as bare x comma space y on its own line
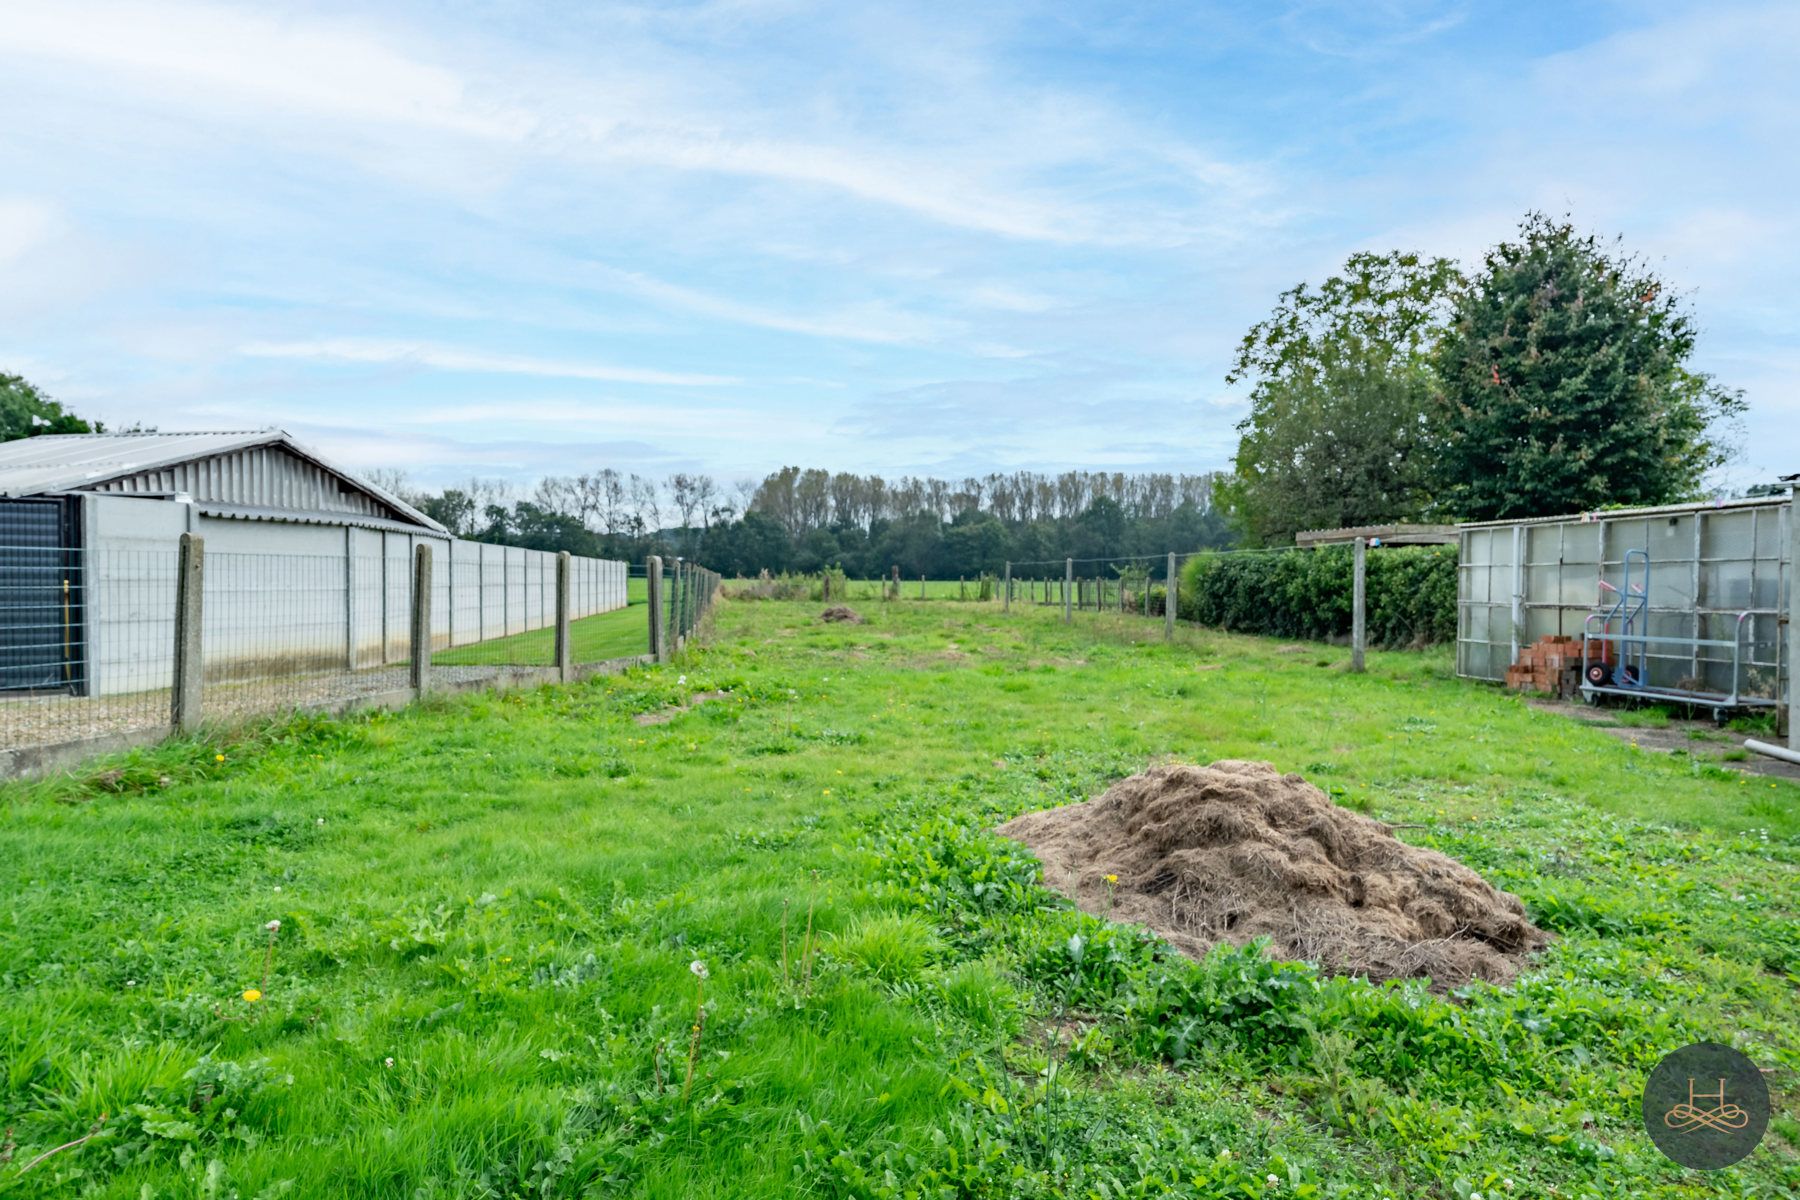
1550, 664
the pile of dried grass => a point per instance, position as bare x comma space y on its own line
1237, 850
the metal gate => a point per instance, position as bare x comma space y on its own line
42, 638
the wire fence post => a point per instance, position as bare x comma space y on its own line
895, 593
1068, 587
1006, 601
420, 648
1358, 619
1791, 702
653, 578
190, 586
1169, 600
565, 655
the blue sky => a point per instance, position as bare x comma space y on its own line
511, 239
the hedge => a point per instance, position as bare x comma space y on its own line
1306, 593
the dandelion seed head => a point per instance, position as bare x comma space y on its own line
273, 927
699, 969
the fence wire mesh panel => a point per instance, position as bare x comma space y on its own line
86, 643
88, 635
284, 631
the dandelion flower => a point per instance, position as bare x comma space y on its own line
698, 968
273, 927
1112, 879
218, 758
252, 995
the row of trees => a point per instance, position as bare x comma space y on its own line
804, 520
1555, 379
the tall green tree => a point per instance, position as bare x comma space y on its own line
25, 411
1566, 384
1340, 392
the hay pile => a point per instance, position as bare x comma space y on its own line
839, 612
1236, 851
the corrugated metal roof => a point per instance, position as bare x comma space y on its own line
237, 466
1615, 514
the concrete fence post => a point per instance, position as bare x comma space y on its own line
1169, 586
1792, 700
565, 653
1358, 619
653, 577
419, 632
190, 587
1068, 587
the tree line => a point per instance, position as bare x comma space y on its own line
797, 519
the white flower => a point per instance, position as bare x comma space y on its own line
387, 1062
1225, 1154
698, 968
680, 679
1507, 1184
273, 927
278, 887
1274, 1181
320, 821
131, 983
1474, 1196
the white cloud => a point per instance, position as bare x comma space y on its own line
862, 322
24, 225
450, 358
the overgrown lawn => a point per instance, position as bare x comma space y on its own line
489, 906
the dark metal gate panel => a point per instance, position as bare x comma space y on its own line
41, 635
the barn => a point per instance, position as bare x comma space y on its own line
308, 566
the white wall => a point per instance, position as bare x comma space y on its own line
288, 597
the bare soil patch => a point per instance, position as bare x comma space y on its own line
1237, 850
665, 715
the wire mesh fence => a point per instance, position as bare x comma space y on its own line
86, 643
90, 649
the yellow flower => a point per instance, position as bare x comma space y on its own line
828, 791
252, 995
218, 758
1112, 879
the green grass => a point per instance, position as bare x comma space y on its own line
502, 894
622, 633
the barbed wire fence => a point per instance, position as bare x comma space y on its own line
106, 648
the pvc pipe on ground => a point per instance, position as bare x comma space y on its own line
1781, 752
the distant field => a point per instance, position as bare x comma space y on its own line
489, 904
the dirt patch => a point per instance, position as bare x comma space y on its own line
841, 613
665, 715
1237, 850
1702, 740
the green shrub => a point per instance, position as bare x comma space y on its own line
1306, 593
